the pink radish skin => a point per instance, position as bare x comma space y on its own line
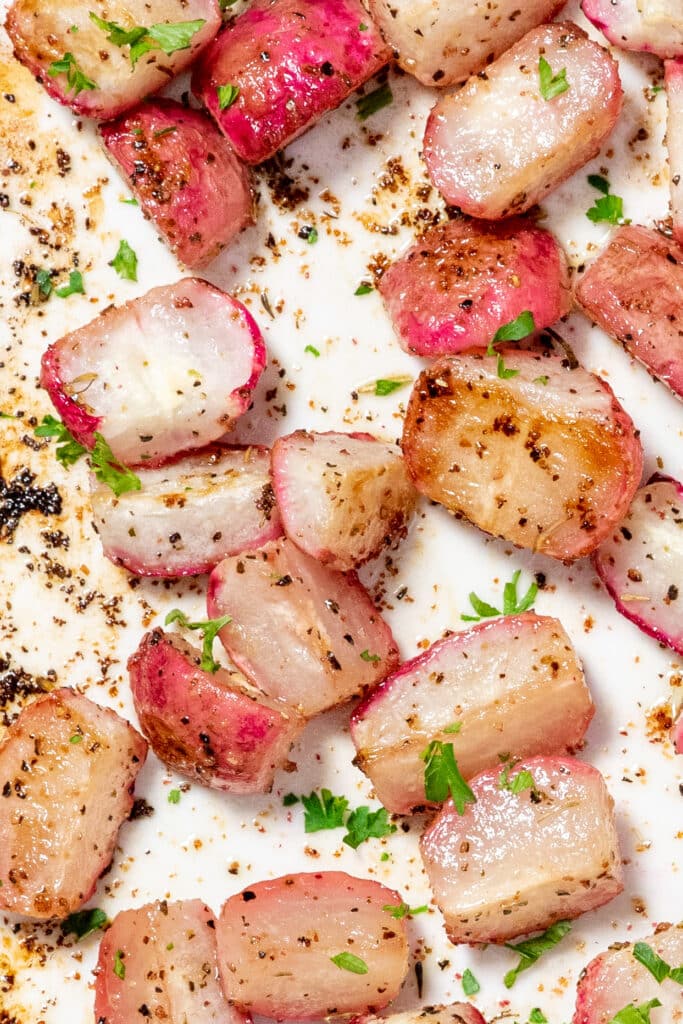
518, 862
302, 633
190, 513
42, 31
641, 563
496, 147
673, 77
65, 801
677, 734
160, 375
342, 497
463, 280
185, 176
208, 726
513, 685
648, 26
293, 61
300, 922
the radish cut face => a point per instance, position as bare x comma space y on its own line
455, 1013
649, 26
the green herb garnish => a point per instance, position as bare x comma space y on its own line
363, 288
551, 85
174, 796
363, 824
167, 37
76, 79
119, 966
512, 604
442, 776
227, 94
657, 967
609, 208
403, 910
323, 812
368, 105
68, 449
470, 985
635, 1014
125, 263
349, 962
208, 628
74, 287
84, 922
532, 949
108, 470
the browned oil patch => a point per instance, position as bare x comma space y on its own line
401, 198
17, 959
659, 721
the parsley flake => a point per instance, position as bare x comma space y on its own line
609, 208
323, 812
403, 910
108, 470
387, 385
366, 656
208, 628
363, 824
442, 776
174, 796
522, 781
76, 738
532, 949
167, 37
349, 962
635, 1014
125, 263
453, 727
130, 202
68, 449
76, 79
289, 799
363, 288
658, 968
119, 966
541, 380
470, 985
74, 287
551, 85
44, 282
537, 1016
227, 94
517, 329
512, 604
368, 105
312, 350
84, 922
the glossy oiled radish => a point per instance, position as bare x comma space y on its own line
650, 26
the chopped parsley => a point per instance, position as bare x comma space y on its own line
44, 282
227, 94
368, 105
174, 796
454, 727
541, 380
537, 1016
532, 949
208, 628
84, 922
108, 470
366, 656
363, 824
551, 85
608, 208
76, 738
167, 37
470, 985
312, 236
442, 776
289, 799
76, 79
312, 350
74, 287
403, 910
125, 263
130, 202
635, 1014
363, 288
323, 812
387, 385
163, 132
658, 968
68, 449
512, 604
522, 781
119, 966
349, 962
517, 329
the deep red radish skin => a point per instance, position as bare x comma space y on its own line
496, 147
455, 1013
208, 726
634, 292
615, 979
300, 922
648, 26
65, 801
184, 175
42, 32
547, 459
316, 55
641, 563
463, 280
162, 374
673, 77
677, 734
342, 497
514, 863
301, 632
441, 43
513, 686
169, 966
189, 514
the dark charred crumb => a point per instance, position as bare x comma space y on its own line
140, 809
16, 685
19, 496
285, 192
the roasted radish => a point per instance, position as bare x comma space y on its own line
620, 978
309, 946
185, 175
159, 962
677, 733
100, 59
652, 26
189, 514
303, 633
674, 141
207, 725
641, 563
456, 1013
524, 448
634, 291
538, 845
162, 374
499, 145
443, 43
463, 280
342, 497
67, 771
286, 63
510, 686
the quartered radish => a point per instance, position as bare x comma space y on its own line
162, 374
189, 514
510, 686
185, 176
462, 280
209, 726
497, 147
307, 946
524, 856
290, 62
455, 1013
673, 76
67, 771
651, 26
301, 632
641, 563
544, 457
342, 497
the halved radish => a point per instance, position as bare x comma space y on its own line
497, 147
162, 374
677, 733
159, 962
462, 280
189, 514
518, 861
510, 686
641, 564
301, 632
673, 76
342, 497
616, 979
67, 771
455, 1013
651, 26
308, 946
634, 291
545, 457
209, 726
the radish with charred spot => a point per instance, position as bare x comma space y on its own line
301, 632
497, 147
641, 563
189, 514
513, 685
306, 946
162, 374
342, 497
209, 726
455, 1013
673, 77
650, 26
545, 458
524, 855
67, 772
